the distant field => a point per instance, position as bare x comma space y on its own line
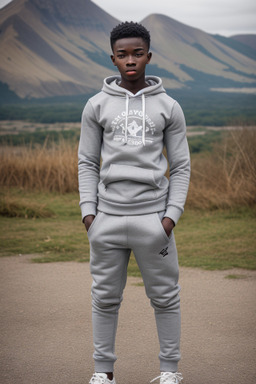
15, 127
20, 133
200, 107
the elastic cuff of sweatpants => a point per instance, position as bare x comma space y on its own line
103, 366
168, 366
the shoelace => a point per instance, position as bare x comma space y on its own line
96, 378
165, 376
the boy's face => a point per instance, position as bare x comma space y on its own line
130, 56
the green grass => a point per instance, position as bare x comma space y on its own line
235, 277
59, 238
213, 240
217, 239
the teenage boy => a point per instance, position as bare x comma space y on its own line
127, 203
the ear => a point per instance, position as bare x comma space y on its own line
113, 59
149, 56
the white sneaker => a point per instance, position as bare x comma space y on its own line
169, 378
101, 378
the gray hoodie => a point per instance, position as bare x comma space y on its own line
121, 166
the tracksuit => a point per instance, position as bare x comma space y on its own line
123, 183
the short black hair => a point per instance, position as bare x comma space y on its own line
129, 29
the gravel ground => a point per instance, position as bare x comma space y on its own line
46, 327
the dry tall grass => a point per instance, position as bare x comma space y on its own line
48, 168
226, 177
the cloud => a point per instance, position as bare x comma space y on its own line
220, 16
4, 2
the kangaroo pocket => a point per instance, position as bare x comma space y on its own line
127, 184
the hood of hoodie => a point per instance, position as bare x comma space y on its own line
111, 86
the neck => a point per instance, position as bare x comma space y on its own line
133, 86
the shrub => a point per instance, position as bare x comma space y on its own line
11, 207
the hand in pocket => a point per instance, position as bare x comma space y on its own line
88, 221
168, 225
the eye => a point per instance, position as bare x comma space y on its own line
120, 56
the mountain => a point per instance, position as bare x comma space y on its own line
60, 47
249, 40
54, 48
197, 59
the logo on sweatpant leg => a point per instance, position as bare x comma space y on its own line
164, 252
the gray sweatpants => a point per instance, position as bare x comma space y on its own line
111, 240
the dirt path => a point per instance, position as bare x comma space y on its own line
46, 328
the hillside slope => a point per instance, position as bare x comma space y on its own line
62, 48
50, 48
249, 40
196, 58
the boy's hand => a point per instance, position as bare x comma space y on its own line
88, 221
168, 225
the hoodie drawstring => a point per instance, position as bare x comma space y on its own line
143, 119
126, 118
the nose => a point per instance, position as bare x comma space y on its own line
130, 60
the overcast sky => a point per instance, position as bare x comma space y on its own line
224, 17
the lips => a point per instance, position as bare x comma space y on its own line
131, 72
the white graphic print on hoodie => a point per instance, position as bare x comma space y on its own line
128, 133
